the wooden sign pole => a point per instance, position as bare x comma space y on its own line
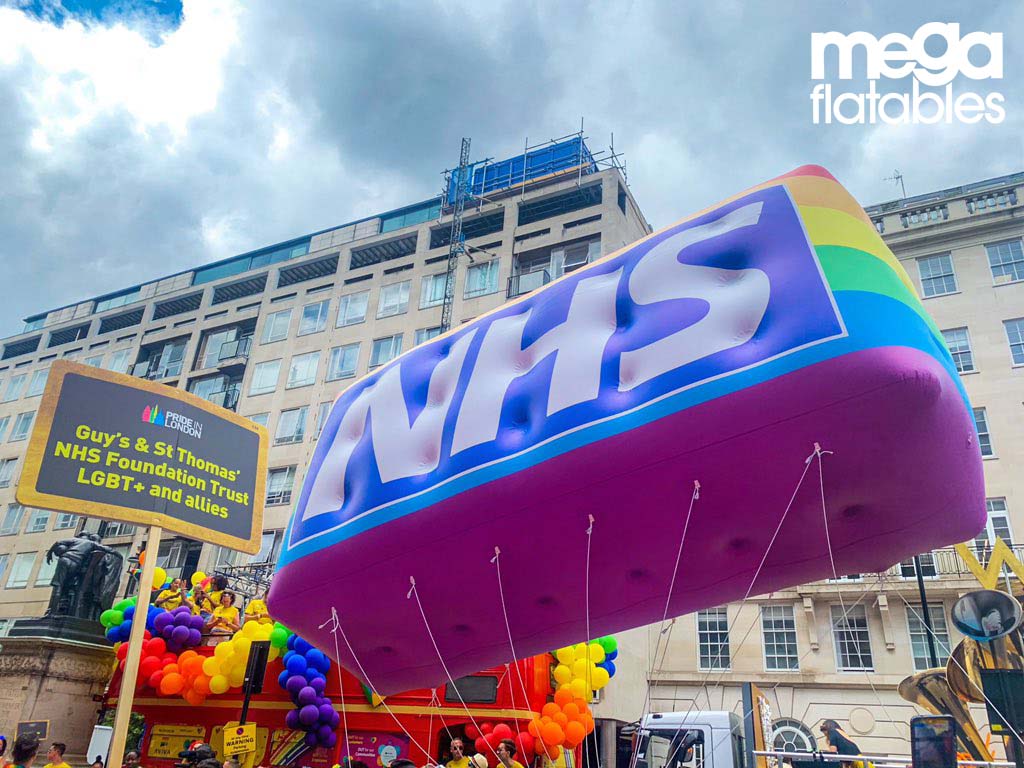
126, 695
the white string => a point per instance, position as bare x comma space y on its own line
437, 705
586, 609
664, 615
508, 629
750, 589
414, 593
341, 688
336, 627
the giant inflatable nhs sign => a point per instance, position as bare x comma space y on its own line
591, 355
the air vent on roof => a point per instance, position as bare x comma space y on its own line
385, 251
178, 306
311, 270
124, 320
573, 200
475, 227
67, 335
22, 347
247, 287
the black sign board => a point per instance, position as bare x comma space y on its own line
38, 729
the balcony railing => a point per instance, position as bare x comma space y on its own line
935, 564
527, 282
231, 351
226, 398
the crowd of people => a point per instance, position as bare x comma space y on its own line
217, 605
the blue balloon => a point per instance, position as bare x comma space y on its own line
611, 656
301, 646
610, 666
129, 612
314, 658
282, 679
296, 665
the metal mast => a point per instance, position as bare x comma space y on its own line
457, 244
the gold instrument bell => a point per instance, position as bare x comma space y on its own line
931, 690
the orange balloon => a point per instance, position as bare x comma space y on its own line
563, 696
194, 698
544, 721
534, 728
172, 669
560, 718
575, 733
202, 685
571, 711
552, 734
550, 709
194, 666
142, 557
588, 722
173, 683
581, 704
186, 656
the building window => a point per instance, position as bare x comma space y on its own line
279, 485
713, 638
908, 570
385, 350
959, 344
321, 418
6, 472
1006, 260
314, 317
37, 383
291, 426
65, 520
394, 299
789, 735
267, 548
426, 334
96, 361
260, 418
937, 276
275, 327
22, 425
4, 422
38, 521
120, 361
20, 569
113, 530
44, 576
343, 362
984, 438
482, 279
432, 290
3, 569
302, 371
919, 635
12, 519
778, 628
264, 377
1015, 335
14, 387
996, 527
852, 640
352, 308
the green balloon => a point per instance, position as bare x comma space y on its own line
279, 637
107, 618
609, 644
121, 606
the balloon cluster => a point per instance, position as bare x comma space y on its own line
486, 738
565, 722
180, 628
118, 620
586, 667
304, 678
155, 660
226, 668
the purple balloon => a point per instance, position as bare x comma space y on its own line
162, 620
294, 684
292, 719
180, 635
196, 622
318, 684
335, 720
323, 733
195, 637
311, 739
307, 697
326, 712
309, 715
165, 633
331, 740
182, 619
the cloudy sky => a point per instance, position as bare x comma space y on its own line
143, 137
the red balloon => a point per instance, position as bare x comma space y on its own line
502, 731
524, 741
481, 745
122, 651
155, 678
148, 666
472, 732
156, 647
486, 728
492, 740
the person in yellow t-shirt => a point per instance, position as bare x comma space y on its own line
55, 756
201, 603
224, 620
217, 586
458, 750
257, 611
506, 752
171, 597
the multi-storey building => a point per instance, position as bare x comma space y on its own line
962, 248
276, 334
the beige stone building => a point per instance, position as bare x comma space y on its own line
963, 249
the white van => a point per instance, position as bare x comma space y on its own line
691, 740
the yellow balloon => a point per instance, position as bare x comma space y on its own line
223, 651
197, 578
580, 651
596, 653
562, 674
211, 666
159, 577
599, 678
237, 677
565, 655
249, 629
242, 645
218, 684
579, 689
580, 668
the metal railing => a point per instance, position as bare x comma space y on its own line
226, 398
879, 761
230, 350
936, 564
527, 282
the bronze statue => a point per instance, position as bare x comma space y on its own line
86, 579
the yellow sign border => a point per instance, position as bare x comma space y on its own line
28, 495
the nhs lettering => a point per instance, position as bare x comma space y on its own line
584, 358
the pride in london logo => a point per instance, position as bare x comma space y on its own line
153, 415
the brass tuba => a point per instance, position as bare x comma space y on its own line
931, 691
